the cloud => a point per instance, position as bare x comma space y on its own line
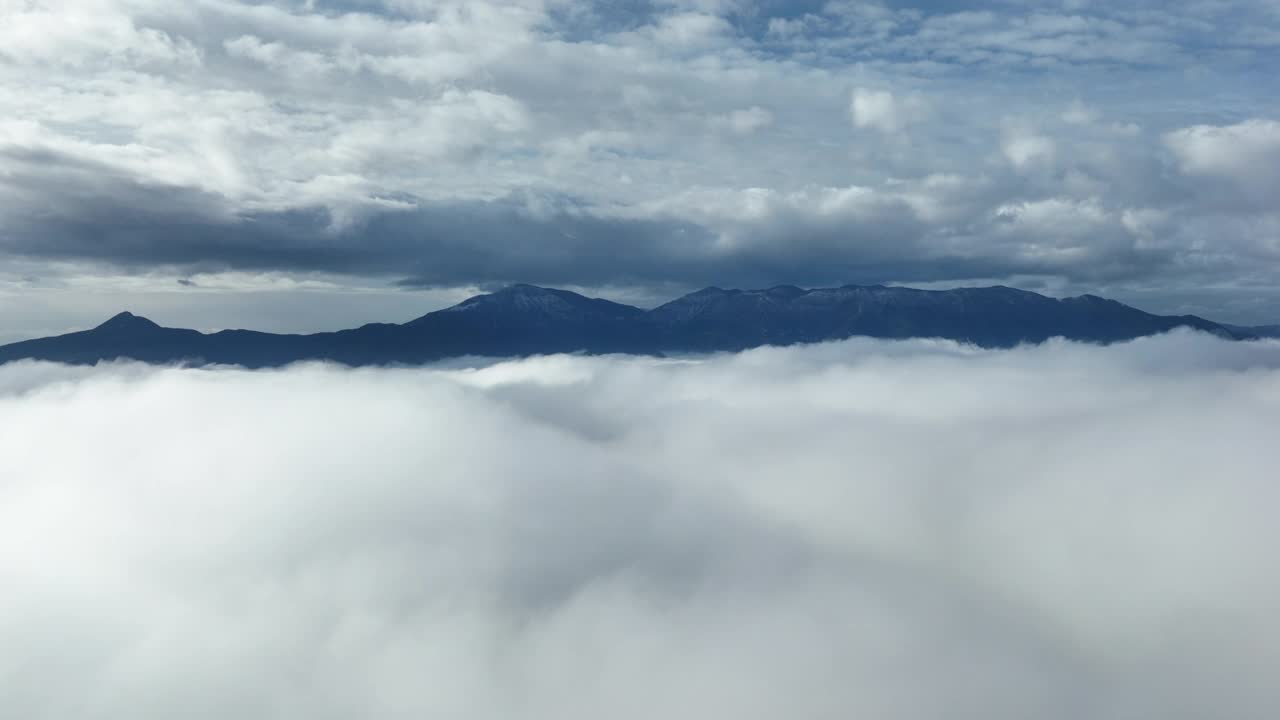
1024, 150
74, 35
1086, 533
1245, 154
880, 110
146, 136
749, 120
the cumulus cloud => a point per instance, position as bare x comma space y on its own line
1246, 154
898, 530
1027, 149
881, 110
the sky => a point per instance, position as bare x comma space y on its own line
305, 165
1091, 534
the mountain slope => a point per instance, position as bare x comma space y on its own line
524, 319
124, 335
715, 319
1262, 331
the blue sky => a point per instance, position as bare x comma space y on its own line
302, 165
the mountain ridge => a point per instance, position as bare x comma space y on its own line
527, 320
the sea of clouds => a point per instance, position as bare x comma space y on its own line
866, 529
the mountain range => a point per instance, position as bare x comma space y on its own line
527, 320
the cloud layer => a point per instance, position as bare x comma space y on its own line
896, 530
646, 144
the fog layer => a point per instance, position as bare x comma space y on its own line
911, 530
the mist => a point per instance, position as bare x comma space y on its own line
899, 530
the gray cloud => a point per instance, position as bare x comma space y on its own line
751, 536
645, 144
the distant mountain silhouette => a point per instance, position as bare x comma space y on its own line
526, 320
1261, 331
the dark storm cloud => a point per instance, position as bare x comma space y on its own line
137, 226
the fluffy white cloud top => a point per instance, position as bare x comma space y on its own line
861, 529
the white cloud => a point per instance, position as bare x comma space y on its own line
1025, 149
1079, 114
898, 530
227, 115
279, 57
690, 30
1247, 154
749, 120
881, 110
86, 35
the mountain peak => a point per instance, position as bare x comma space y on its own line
531, 301
1093, 300
127, 321
521, 296
526, 289
786, 291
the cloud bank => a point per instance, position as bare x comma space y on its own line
894, 530
638, 144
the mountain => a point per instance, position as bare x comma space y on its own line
1261, 331
525, 320
715, 319
125, 335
